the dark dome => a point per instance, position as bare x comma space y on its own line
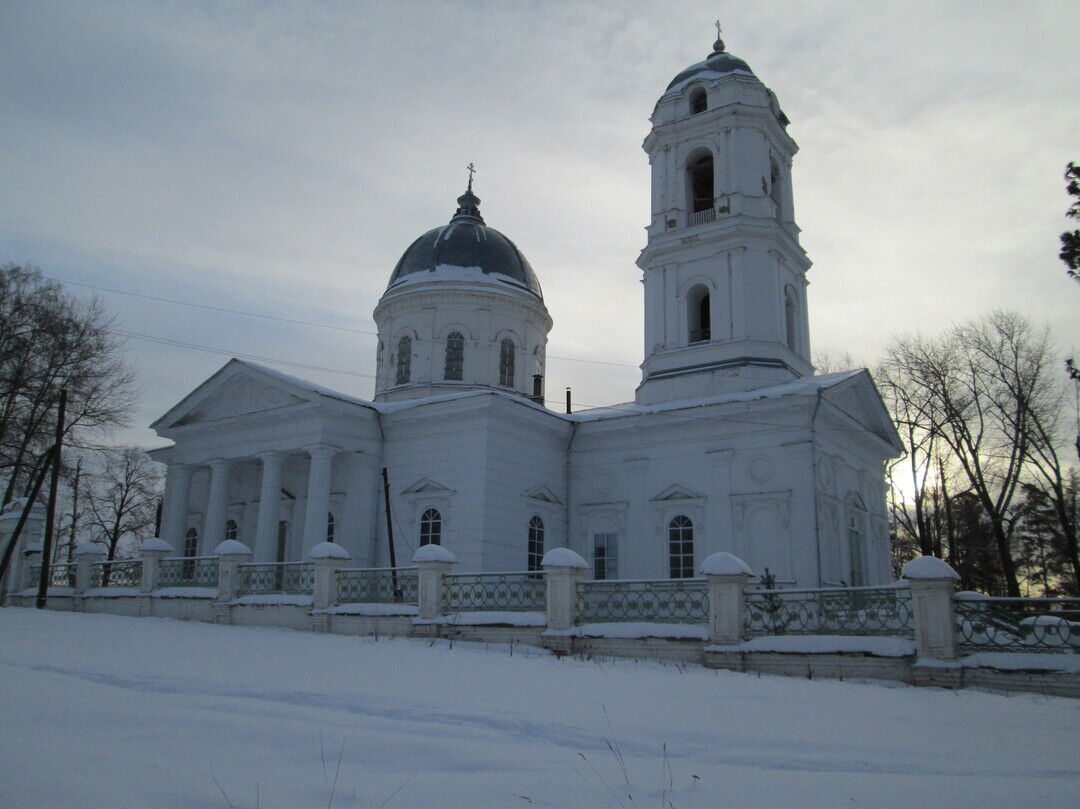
718, 63
466, 243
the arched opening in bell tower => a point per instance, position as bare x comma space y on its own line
699, 101
699, 182
698, 314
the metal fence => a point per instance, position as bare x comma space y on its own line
1018, 624
680, 601
117, 573
61, 574
189, 571
383, 585
506, 592
294, 578
839, 611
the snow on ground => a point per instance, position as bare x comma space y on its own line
108, 711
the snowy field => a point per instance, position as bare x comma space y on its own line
106, 711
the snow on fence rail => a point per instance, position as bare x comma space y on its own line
1018, 624
834, 611
681, 601
189, 571
117, 573
505, 592
380, 585
294, 578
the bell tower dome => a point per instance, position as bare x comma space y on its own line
724, 274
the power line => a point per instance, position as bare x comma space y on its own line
292, 321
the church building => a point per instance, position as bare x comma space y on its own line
731, 443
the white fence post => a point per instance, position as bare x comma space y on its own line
328, 557
727, 576
86, 556
933, 583
563, 569
152, 551
432, 563
231, 554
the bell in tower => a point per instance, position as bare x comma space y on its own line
724, 274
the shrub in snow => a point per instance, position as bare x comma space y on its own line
929, 567
329, 550
156, 544
433, 553
725, 564
563, 557
231, 546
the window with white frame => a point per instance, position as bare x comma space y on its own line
536, 542
605, 556
681, 547
855, 550
191, 542
404, 360
506, 363
232, 530
454, 366
330, 527
431, 527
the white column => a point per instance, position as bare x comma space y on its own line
266, 527
214, 526
318, 494
177, 493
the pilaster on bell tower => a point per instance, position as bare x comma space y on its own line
724, 274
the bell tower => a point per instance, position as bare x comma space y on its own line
724, 274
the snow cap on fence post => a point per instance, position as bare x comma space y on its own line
327, 557
231, 554
87, 555
932, 583
152, 551
727, 577
432, 563
563, 569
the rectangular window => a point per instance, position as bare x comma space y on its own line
605, 556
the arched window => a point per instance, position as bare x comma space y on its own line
455, 356
791, 317
775, 186
506, 363
191, 542
191, 548
404, 360
698, 314
681, 547
330, 527
699, 176
699, 101
232, 531
536, 542
431, 527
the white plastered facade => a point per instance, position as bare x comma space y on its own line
729, 428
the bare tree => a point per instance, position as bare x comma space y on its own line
50, 340
122, 497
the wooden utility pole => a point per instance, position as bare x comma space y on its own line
50, 513
390, 534
74, 511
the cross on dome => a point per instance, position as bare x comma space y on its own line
472, 171
718, 46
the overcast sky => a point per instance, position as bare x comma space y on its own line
278, 157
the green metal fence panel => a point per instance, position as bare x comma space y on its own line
1018, 624
293, 578
503, 592
679, 601
377, 585
840, 611
190, 571
117, 573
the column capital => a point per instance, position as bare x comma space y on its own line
271, 456
219, 463
322, 450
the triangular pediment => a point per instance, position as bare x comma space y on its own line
677, 492
240, 396
425, 486
860, 400
543, 494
